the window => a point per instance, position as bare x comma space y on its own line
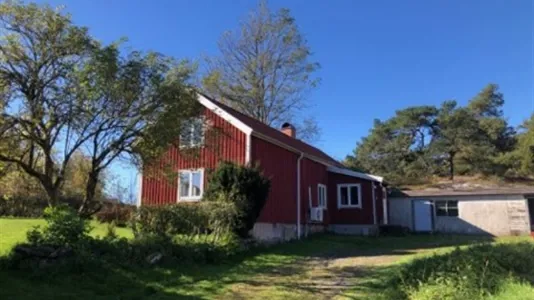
349, 196
190, 185
321, 195
192, 134
447, 208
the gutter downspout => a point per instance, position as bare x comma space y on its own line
139, 188
385, 205
374, 202
298, 194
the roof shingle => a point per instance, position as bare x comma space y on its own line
462, 192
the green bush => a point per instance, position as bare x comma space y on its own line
471, 273
30, 206
180, 249
117, 213
245, 186
185, 218
64, 227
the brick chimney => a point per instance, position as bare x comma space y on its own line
289, 130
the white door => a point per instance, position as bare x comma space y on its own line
422, 210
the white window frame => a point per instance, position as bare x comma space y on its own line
348, 186
192, 133
446, 208
191, 198
319, 187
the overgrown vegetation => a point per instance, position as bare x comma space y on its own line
185, 219
185, 232
424, 141
242, 186
357, 268
159, 240
477, 272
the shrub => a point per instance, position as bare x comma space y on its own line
180, 249
117, 213
245, 186
185, 218
64, 228
26, 207
470, 273
30, 206
393, 230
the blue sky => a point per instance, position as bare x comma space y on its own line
376, 56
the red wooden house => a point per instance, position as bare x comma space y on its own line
310, 191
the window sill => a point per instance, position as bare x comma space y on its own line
190, 199
193, 147
349, 206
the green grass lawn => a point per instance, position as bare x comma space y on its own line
13, 231
320, 267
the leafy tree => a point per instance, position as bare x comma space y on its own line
488, 102
456, 129
525, 147
132, 106
64, 93
264, 70
495, 137
398, 147
18, 184
39, 50
76, 177
422, 141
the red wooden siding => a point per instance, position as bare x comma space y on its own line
362, 215
280, 165
312, 173
223, 142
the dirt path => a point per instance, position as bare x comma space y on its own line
323, 277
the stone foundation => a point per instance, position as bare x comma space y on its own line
283, 232
365, 230
274, 231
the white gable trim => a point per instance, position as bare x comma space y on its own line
223, 114
248, 131
355, 174
232, 120
139, 188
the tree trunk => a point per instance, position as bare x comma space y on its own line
52, 193
451, 165
90, 191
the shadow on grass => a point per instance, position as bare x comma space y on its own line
284, 266
294, 267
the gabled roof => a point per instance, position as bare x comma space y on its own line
252, 126
266, 131
351, 173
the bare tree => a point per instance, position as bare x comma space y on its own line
264, 70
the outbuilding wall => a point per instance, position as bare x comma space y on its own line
497, 215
